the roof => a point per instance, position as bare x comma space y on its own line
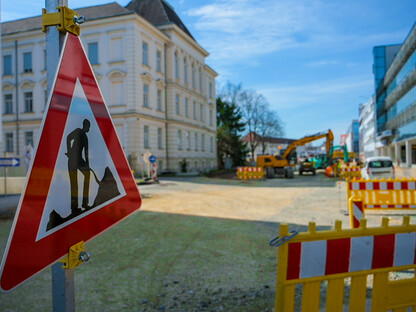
256, 137
90, 13
157, 12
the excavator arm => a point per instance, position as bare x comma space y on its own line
310, 138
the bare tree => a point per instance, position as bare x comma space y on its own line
270, 126
252, 106
261, 122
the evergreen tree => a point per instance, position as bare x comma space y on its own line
229, 128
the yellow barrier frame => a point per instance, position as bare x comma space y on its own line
347, 172
387, 295
245, 173
376, 199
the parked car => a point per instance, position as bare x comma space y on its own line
378, 167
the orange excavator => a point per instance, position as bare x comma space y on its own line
283, 165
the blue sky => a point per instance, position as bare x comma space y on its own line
312, 59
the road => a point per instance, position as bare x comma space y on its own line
295, 201
197, 244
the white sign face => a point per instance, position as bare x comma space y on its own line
79, 194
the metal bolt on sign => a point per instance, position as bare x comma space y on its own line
76, 256
65, 19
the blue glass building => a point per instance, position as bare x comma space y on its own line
395, 83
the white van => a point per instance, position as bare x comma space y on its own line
378, 167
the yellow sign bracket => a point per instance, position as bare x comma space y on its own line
65, 19
76, 256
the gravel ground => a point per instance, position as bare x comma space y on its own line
197, 244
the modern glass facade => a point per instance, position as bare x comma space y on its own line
383, 58
395, 86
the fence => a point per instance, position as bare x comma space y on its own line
349, 172
246, 173
379, 194
327, 259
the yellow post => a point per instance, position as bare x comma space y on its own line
282, 271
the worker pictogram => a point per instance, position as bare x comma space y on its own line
80, 183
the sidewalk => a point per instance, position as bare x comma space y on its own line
405, 172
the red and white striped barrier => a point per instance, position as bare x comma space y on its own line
356, 211
250, 173
382, 185
154, 171
352, 254
384, 194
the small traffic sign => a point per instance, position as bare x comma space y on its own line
152, 159
9, 162
78, 149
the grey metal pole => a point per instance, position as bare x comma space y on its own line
54, 43
63, 285
63, 290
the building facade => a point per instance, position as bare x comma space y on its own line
352, 138
151, 72
367, 130
395, 100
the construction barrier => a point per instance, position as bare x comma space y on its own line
332, 268
247, 173
350, 172
154, 171
381, 194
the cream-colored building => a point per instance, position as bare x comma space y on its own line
152, 74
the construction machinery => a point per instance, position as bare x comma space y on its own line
284, 165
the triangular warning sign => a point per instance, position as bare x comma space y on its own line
79, 183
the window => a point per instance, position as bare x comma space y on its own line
29, 138
188, 140
116, 49
159, 138
117, 92
176, 65
200, 80
146, 136
7, 65
203, 142
28, 98
179, 139
193, 75
44, 59
8, 104
159, 99
201, 112
185, 70
9, 143
186, 107
45, 97
145, 95
144, 56
196, 141
27, 62
210, 90
93, 52
194, 109
211, 144
177, 104
210, 117
159, 61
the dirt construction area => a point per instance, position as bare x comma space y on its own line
197, 244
